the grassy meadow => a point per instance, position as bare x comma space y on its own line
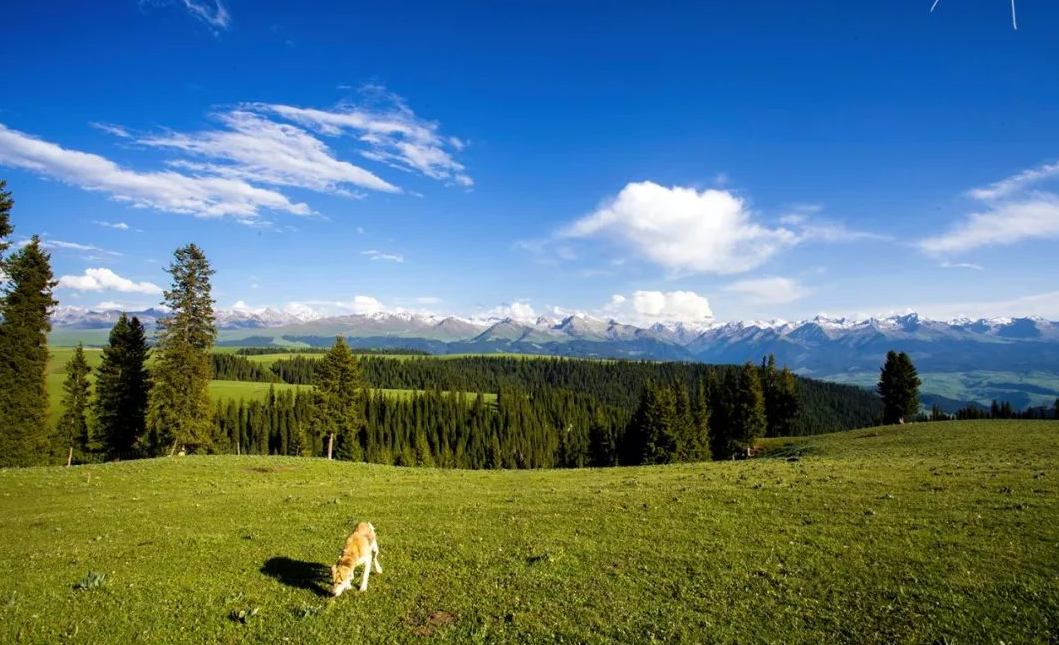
906, 534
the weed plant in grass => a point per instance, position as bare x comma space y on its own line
889, 535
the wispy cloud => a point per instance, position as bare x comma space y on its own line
769, 291
168, 191
1015, 183
1034, 217
213, 13
1010, 212
961, 265
102, 279
378, 255
120, 226
254, 148
391, 132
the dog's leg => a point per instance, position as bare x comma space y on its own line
375, 557
364, 580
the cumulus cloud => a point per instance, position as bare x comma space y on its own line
520, 310
646, 307
102, 279
165, 191
1010, 212
684, 229
767, 291
379, 255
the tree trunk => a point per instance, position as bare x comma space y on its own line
330, 444
70, 457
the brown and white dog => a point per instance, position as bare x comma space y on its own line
361, 549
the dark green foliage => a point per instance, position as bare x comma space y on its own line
656, 423
370, 351
747, 422
899, 388
229, 367
74, 429
6, 204
122, 382
179, 412
25, 307
781, 398
336, 411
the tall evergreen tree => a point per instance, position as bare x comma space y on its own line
747, 415
122, 382
179, 413
899, 388
339, 386
6, 204
74, 428
781, 398
657, 421
25, 309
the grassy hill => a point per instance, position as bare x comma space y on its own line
887, 535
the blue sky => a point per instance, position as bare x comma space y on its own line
647, 161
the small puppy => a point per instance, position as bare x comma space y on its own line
361, 548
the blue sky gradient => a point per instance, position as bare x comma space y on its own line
647, 161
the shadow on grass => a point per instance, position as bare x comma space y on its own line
312, 576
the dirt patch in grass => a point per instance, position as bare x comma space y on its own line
425, 626
268, 469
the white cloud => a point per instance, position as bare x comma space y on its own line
216, 16
390, 130
102, 279
684, 229
519, 310
254, 148
1036, 217
767, 291
428, 300
961, 265
92, 251
1011, 212
378, 255
648, 307
165, 191
213, 13
1015, 183
120, 226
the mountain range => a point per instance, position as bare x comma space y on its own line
1015, 359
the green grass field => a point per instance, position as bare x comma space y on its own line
888, 535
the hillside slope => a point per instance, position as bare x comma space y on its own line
886, 535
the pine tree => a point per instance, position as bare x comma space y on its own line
339, 386
6, 204
1055, 412
25, 309
122, 382
747, 417
899, 388
178, 407
699, 449
656, 421
74, 427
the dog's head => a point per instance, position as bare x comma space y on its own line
339, 579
